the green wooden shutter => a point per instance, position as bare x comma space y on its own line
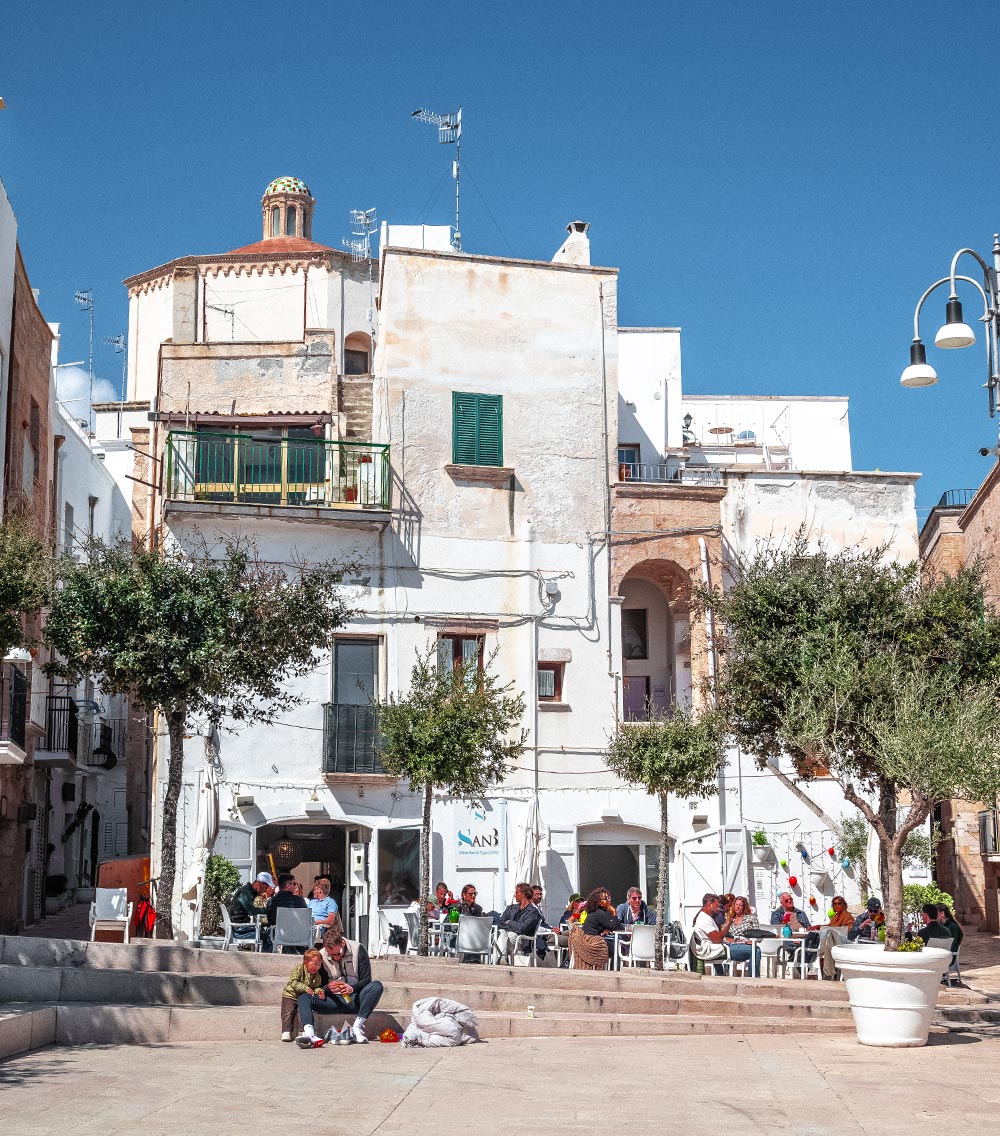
490, 450
477, 429
464, 418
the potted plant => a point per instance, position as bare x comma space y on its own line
55, 894
763, 853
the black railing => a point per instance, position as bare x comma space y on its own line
955, 498
17, 707
351, 742
104, 743
989, 836
61, 729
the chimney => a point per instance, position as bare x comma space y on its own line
575, 249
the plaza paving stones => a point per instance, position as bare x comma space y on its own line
814, 1085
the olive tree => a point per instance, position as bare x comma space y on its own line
675, 752
456, 729
218, 634
842, 661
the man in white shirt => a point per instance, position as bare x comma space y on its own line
706, 939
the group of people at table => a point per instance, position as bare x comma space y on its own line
727, 927
254, 906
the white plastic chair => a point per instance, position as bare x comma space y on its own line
413, 927
229, 927
475, 937
773, 956
671, 963
383, 947
110, 911
642, 947
294, 928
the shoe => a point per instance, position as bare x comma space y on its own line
358, 1034
308, 1041
286, 1036
345, 1037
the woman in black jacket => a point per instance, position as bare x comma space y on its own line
586, 940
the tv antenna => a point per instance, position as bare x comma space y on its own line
120, 344
226, 311
449, 130
86, 302
364, 223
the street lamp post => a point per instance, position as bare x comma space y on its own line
955, 332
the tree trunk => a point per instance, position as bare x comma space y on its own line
168, 826
425, 871
810, 804
661, 884
887, 815
893, 896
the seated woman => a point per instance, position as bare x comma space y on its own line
586, 940
739, 920
573, 909
841, 916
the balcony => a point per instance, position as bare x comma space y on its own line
58, 749
955, 498
670, 474
102, 743
292, 476
13, 715
351, 742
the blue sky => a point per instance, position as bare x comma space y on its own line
781, 180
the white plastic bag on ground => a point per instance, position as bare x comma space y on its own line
440, 1021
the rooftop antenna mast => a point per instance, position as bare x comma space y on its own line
449, 130
364, 223
86, 302
120, 344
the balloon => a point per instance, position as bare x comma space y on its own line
784, 863
804, 854
793, 880
845, 863
812, 900
831, 852
830, 914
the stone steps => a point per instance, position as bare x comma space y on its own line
548, 993
82, 1023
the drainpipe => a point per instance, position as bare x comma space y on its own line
706, 579
607, 472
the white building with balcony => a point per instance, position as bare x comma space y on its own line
512, 473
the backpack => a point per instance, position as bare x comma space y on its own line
678, 944
237, 911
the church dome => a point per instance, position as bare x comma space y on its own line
287, 209
288, 185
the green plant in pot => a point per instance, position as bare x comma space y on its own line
761, 846
222, 878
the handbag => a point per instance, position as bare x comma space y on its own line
398, 937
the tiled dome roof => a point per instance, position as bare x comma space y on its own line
288, 185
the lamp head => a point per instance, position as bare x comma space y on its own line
955, 332
919, 373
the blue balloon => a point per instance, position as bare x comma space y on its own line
804, 854
845, 863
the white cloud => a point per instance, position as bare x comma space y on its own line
73, 390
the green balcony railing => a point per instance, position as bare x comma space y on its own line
261, 469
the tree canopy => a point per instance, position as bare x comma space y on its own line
675, 752
856, 666
456, 729
218, 634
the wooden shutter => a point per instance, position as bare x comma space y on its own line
464, 428
477, 429
490, 450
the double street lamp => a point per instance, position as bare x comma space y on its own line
955, 332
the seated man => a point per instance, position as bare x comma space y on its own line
867, 924
635, 909
283, 897
706, 937
522, 917
934, 933
797, 918
350, 988
324, 906
242, 909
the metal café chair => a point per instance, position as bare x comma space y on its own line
232, 940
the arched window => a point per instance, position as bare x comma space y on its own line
290, 218
275, 221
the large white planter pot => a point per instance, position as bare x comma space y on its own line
892, 993
762, 853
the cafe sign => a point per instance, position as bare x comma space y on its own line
478, 840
